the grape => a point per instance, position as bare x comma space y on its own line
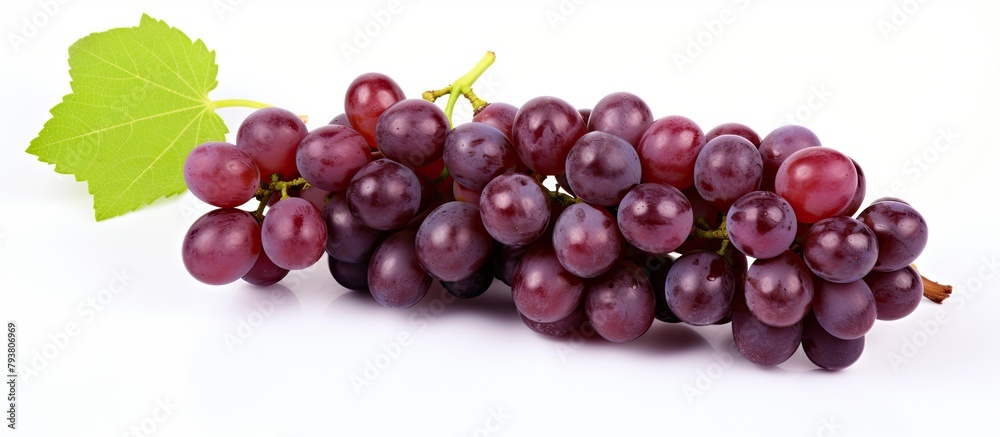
658, 279
840, 249
622, 114
620, 303
315, 196
897, 293
818, 182
472, 286
505, 260
655, 218
901, 233
264, 271
827, 351
761, 224
475, 153
734, 129
846, 311
700, 287
544, 130
352, 276
347, 239
466, 195
368, 96
293, 234
585, 113
452, 242
498, 115
514, 209
221, 246
573, 323
221, 175
384, 195
270, 136
778, 145
341, 120
412, 132
543, 290
668, 150
890, 199
859, 193
329, 156
779, 291
395, 277
727, 168
602, 167
761, 343
586, 240
700, 209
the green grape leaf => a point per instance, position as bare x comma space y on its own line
139, 105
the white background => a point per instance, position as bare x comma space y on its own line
155, 354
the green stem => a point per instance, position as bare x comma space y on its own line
463, 86
228, 103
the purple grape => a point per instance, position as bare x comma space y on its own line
412, 132
734, 129
778, 145
761, 343
221, 175
818, 182
761, 224
270, 136
367, 97
475, 153
352, 276
395, 277
779, 291
727, 168
602, 167
514, 209
264, 271
658, 279
827, 351
384, 195
890, 199
347, 239
315, 196
474, 285
586, 240
505, 260
901, 233
622, 114
655, 218
897, 293
700, 288
545, 129
620, 303
573, 323
330, 156
221, 246
846, 311
341, 120
452, 242
585, 113
466, 195
543, 290
840, 249
293, 234
498, 115
859, 193
668, 151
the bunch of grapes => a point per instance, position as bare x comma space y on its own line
649, 218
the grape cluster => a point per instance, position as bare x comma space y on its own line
650, 218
